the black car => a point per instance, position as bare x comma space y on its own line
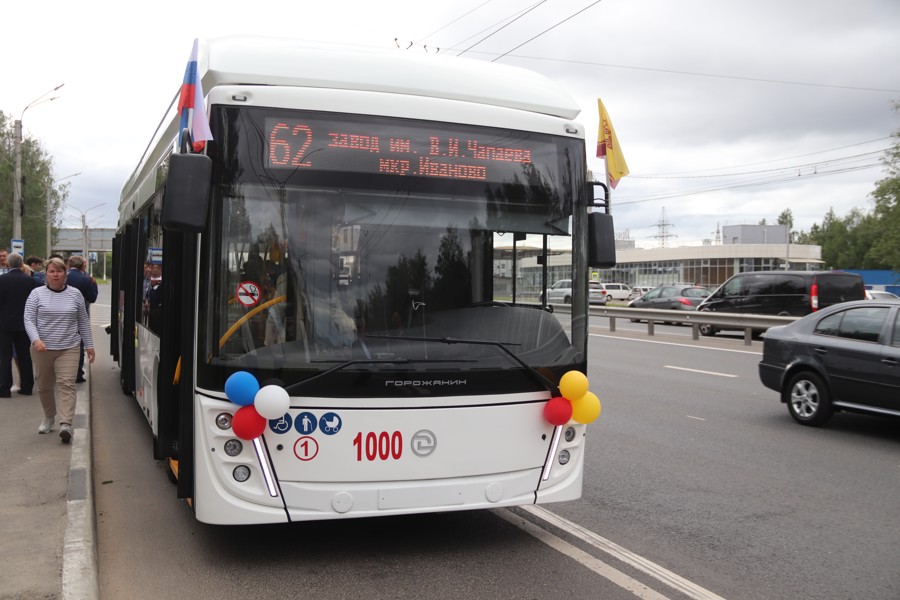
796, 293
845, 357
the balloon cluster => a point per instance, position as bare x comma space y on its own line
576, 401
257, 404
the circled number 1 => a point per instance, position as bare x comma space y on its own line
378, 446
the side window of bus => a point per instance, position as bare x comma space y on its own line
151, 288
143, 225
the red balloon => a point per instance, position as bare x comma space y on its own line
558, 411
247, 423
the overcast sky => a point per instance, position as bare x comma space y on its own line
727, 112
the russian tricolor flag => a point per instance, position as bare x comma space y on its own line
191, 99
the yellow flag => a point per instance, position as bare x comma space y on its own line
608, 148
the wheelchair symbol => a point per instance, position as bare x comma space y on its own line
282, 425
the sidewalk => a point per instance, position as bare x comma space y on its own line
47, 527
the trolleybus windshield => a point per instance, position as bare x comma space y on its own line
374, 241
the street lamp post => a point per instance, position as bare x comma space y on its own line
50, 210
85, 238
17, 183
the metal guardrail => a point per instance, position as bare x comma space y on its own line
746, 322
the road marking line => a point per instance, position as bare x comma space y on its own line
697, 418
661, 574
699, 371
594, 564
616, 337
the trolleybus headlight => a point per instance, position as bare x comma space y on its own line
241, 473
570, 434
233, 447
223, 421
564, 457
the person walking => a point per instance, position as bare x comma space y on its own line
56, 321
15, 286
4, 255
37, 263
77, 278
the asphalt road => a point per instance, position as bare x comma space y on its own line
693, 465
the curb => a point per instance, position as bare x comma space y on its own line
79, 561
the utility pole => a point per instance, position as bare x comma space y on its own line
17, 184
84, 236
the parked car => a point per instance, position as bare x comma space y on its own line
561, 292
881, 295
639, 290
671, 297
845, 357
795, 293
614, 291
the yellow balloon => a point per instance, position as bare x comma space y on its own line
586, 409
573, 385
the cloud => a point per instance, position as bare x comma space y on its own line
694, 85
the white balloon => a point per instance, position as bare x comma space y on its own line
272, 402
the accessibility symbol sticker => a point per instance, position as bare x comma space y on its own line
330, 423
282, 425
306, 423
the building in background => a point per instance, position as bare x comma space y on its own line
99, 247
741, 248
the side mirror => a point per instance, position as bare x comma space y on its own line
601, 240
186, 199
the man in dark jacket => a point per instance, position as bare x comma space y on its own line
15, 286
77, 278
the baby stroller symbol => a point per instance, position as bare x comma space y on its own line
330, 423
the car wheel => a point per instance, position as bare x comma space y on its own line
808, 399
707, 329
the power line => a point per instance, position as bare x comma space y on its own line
763, 162
668, 71
534, 6
548, 29
742, 173
765, 182
438, 30
711, 75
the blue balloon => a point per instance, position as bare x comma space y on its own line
241, 388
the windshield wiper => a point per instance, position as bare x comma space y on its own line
370, 361
541, 379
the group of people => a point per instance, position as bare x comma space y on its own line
46, 330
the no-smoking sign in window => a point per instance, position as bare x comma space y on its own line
248, 293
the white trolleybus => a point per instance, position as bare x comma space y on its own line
318, 312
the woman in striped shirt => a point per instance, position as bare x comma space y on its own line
56, 321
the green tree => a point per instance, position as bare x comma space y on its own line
861, 239
37, 177
846, 241
885, 248
787, 218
